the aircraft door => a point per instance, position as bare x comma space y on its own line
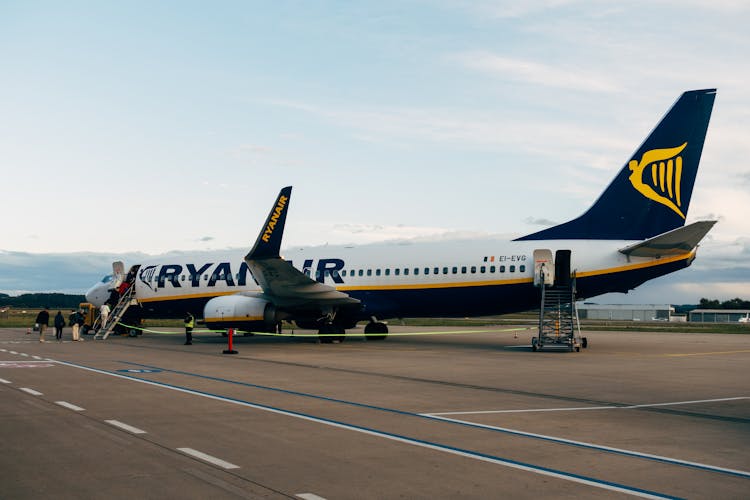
543, 267
562, 267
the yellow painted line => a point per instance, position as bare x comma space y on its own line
706, 353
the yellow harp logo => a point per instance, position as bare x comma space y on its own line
663, 185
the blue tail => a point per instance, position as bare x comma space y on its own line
651, 194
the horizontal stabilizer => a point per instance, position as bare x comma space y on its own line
675, 242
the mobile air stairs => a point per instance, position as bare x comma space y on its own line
558, 317
127, 299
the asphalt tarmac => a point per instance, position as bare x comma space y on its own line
447, 413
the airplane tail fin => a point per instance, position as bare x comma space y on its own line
651, 194
268, 244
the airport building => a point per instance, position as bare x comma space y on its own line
719, 315
625, 312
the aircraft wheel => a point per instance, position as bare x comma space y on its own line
584, 342
132, 332
376, 331
329, 333
533, 344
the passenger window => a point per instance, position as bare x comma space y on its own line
437, 270
416, 270
427, 270
513, 269
397, 271
492, 269
445, 270
463, 269
182, 277
377, 272
522, 269
473, 269
343, 273
455, 270
406, 271
482, 269
502, 269
361, 272
369, 272
388, 272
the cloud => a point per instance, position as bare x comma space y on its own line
537, 73
206, 238
540, 221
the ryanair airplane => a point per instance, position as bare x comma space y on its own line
634, 232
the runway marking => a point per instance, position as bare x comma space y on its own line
628, 407
475, 455
704, 353
31, 391
69, 406
309, 496
598, 447
36, 357
208, 458
434, 416
24, 354
12, 352
3, 381
126, 427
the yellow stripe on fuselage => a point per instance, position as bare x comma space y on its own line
462, 284
234, 319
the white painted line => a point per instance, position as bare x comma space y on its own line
3, 350
208, 458
3, 381
12, 352
69, 406
24, 354
402, 439
31, 391
486, 412
309, 496
688, 402
594, 446
583, 408
36, 357
125, 427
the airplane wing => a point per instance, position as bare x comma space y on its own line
283, 284
675, 242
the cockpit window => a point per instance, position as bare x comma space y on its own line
107, 278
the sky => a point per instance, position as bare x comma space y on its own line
138, 128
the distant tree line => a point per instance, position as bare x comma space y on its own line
39, 300
736, 303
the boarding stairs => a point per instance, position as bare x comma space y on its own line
126, 300
558, 318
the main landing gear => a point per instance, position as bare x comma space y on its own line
375, 330
330, 331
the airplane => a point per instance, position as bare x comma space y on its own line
634, 232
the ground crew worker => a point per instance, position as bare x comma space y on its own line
189, 324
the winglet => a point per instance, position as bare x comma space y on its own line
268, 244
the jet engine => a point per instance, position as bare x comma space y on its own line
239, 311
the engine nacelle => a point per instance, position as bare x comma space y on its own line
238, 311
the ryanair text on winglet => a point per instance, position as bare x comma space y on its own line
280, 205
